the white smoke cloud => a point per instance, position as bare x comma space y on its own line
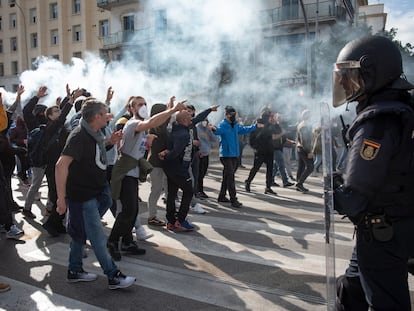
187, 60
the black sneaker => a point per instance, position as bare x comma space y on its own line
247, 185
15, 207
28, 214
50, 229
223, 200
287, 184
81, 276
236, 204
301, 188
114, 250
132, 248
61, 229
269, 191
119, 280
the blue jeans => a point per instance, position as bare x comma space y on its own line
95, 234
279, 164
317, 162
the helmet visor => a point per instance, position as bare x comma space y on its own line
347, 83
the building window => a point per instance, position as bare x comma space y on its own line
290, 9
54, 37
129, 23
53, 7
1, 23
13, 44
33, 40
104, 28
1, 46
77, 33
33, 16
77, 54
13, 20
14, 68
56, 56
76, 6
1, 70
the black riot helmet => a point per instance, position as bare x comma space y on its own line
366, 65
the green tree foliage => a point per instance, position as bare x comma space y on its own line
407, 50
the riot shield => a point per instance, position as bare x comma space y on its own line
328, 168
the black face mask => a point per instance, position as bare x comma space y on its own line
232, 119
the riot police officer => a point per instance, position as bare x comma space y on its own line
377, 193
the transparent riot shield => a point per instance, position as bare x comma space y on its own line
328, 168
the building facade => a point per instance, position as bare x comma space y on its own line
61, 29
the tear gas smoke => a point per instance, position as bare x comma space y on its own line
209, 52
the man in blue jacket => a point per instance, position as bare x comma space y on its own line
229, 151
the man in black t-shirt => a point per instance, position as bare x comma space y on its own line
82, 187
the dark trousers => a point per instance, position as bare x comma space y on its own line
21, 154
109, 169
9, 162
184, 183
241, 148
227, 183
305, 166
6, 218
383, 266
195, 169
125, 220
203, 167
54, 219
259, 159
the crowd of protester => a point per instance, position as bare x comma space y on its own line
170, 143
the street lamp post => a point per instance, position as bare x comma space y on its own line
13, 3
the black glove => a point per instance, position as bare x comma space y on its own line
337, 180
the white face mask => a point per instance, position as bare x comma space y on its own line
143, 112
204, 123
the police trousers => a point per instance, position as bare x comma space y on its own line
383, 266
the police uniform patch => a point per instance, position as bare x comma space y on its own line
369, 149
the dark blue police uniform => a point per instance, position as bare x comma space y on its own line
378, 195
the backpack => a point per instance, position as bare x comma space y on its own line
253, 139
37, 147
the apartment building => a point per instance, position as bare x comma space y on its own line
61, 29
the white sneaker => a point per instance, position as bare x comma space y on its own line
14, 233
198, 209
143, 235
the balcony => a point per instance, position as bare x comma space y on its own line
128, 37
109, 4
293, 15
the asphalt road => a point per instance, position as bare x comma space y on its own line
267, 255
